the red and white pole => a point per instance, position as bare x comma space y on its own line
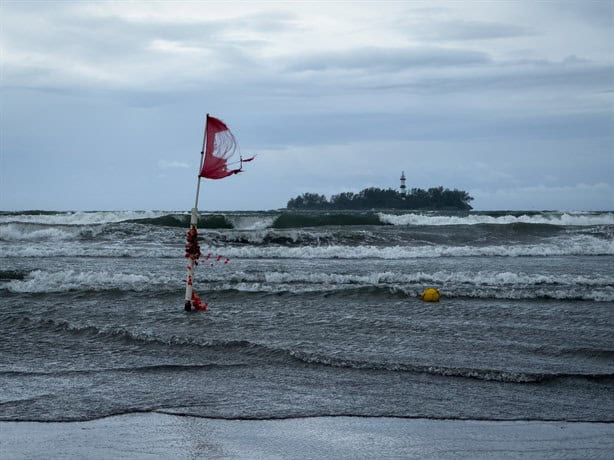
191, 264
189, 282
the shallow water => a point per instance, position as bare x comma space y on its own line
313, 320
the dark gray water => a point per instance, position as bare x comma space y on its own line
314, 314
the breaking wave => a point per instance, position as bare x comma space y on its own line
71, 280
289, 219
578, 245
18, 232
77, 218
560, 219
486, 285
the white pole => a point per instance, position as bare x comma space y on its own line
193, 225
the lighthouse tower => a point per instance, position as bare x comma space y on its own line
403, 188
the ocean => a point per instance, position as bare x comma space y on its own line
311, 314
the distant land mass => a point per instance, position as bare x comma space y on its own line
436, 198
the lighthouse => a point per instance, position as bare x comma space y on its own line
403, 188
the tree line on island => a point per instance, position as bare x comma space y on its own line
377, 198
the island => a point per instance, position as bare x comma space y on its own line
435, 198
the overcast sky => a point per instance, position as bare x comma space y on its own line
102, 104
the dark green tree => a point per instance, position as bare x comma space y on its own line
377, 198
308, 201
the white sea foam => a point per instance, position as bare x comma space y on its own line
572, 219
578, 245
604, 294
247, 222
600, 294
570, 245
81, 217
481, 278
67, 280
481, 284
68, 249
17, 232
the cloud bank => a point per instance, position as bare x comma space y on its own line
510, 101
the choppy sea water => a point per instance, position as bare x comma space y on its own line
315, 314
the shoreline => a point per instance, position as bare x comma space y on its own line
307, 417
150, 435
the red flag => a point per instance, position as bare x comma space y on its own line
220, 146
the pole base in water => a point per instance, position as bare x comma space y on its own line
188, 305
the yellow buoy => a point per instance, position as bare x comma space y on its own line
430, 295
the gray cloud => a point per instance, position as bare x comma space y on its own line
476, 30
387, 59
594, 13
509, 107
511, 76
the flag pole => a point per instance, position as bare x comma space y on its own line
193, 226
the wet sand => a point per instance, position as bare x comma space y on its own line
157, 435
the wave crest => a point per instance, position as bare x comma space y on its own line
482, 284
71, 280
286, 219
559, 219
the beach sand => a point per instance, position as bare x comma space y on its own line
157, 435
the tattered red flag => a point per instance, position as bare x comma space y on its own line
220, 147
